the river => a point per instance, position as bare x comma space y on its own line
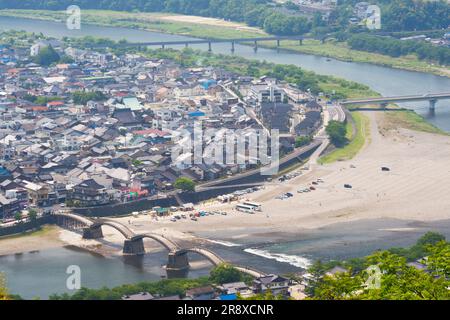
42, 273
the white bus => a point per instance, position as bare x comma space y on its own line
254, 205
244, 208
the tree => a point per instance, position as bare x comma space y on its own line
18, 216
438, 259
46, 56
32, 215
81, 97
185, 184
302, 141
225, 273
337, 132
398, 280
3, 289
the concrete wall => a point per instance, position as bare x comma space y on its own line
27, 226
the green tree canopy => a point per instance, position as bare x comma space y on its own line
398, 279
185, 184
225, 273
3, 289
337, 132
46, 56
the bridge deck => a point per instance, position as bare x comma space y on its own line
205, 41
424, 97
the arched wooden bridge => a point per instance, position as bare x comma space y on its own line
134, 244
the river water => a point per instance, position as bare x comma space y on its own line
43, 273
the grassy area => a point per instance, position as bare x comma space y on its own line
159, 22
42, 231
346, 89
408, 120
358, 141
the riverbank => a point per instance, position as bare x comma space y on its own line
340, 51
45, 238
202, 27
358, 133
374, 195
193, 26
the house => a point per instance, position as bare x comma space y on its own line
333, 271
277, 115
309, 124
297, 292
264, 93
235, 288
313, 105
9, 206
38, 194
276, 284
202, 293
142, 296
126, 117
90, 193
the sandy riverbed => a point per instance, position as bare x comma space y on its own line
416, 188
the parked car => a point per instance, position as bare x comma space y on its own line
385, 169
348, 186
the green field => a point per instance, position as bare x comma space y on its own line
409, 120
157, 22
357, 141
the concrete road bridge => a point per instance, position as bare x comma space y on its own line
210, 42
134, 243
432, 98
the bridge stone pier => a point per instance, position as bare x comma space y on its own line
177, 261
92, 232
134, 247
433, 104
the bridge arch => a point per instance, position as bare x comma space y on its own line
170, 245
208, 254
123, 229
83, 220
216, 260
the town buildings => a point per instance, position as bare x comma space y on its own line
100, 128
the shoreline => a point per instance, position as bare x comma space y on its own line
439, 71
376, 196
